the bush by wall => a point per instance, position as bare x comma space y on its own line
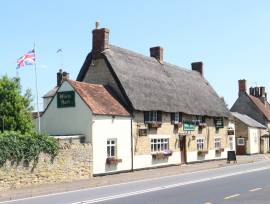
17, 148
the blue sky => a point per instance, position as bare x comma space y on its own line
231, 37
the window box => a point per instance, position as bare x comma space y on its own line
178, 125
202, 125
222, 149
230, 132
154, 124
162, 155
113, 161
202, 152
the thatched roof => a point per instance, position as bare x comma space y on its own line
150, 85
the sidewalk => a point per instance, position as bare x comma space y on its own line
125, 177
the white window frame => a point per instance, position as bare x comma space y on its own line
177, 117
241, 143
217, 142
111, 143
159, 144
155, 116
200, 144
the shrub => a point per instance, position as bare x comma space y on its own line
16, 147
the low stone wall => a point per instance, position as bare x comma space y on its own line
74, 162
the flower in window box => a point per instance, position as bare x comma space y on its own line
178, 125
155, 124
222, 149
167, 153
202, 152
158, 156
202, 125
113, 161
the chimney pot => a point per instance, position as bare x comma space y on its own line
242, 86
262, 91
257, 91
197, 66
157, 52
251, 91
61, 76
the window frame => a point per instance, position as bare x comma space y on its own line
159, 145
240, 144
200, 144
217, 141
110, 145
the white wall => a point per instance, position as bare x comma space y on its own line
231, 126
146, 161
106, 127
67, 121
192, 156
253, 141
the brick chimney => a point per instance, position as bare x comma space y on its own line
100, 40
157, 52
242, 86
263, 95
61, 76
197, 66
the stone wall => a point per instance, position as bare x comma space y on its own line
74, 162
209, 133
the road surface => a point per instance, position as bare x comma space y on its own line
246, 183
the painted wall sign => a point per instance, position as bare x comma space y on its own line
219, 122
65, 99
189, 126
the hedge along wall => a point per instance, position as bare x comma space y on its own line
73, 162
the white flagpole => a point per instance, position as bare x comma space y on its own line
38, 115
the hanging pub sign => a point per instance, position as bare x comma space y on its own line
65, 99
189, 126
219, 122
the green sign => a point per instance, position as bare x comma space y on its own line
189, 126
65, 99
219, 122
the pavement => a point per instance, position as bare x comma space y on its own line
143, 182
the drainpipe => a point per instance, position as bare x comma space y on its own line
131, 137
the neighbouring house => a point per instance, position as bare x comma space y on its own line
255, 105
248, 134
177, 117
91, 113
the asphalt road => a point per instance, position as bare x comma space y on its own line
247, 183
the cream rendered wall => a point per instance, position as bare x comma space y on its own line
253, 141
109, 127
67, 121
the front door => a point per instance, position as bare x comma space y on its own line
183, 149
240, 146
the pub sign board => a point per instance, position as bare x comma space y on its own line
65, 99
219, 122
189, 126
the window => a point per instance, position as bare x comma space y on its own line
159, 145
176, 118
217, 143
111, 148
240, 141
201, 119
152, 116
200, 144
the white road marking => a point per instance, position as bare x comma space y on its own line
232, 196
208, 203
123, 195
255, 189
152, 179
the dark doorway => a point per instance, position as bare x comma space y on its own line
183, 149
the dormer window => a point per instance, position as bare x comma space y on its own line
153, 117
176, 118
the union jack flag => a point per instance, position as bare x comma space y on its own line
27, 59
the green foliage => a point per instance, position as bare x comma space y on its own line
15, 108
16, 147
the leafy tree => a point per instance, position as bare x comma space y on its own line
15, 108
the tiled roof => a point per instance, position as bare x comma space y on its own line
99, 99
150, 85
264, 108
248, 120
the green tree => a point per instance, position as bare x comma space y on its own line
15, 108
